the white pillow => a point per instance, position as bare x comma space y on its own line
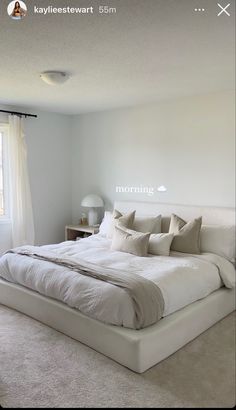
126, 240
147, 224
218, 239
160, 243
103, 229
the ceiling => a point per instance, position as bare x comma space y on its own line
149, 50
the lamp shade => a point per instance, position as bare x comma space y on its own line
92, 201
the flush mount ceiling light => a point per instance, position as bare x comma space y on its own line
54, 77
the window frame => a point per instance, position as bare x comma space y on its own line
4, 130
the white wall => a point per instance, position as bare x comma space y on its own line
49, 161
187, 145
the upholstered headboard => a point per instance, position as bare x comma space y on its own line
210, 215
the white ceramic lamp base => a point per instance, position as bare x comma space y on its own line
92, 217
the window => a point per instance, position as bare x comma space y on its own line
4, 208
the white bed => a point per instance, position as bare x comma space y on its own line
183, 319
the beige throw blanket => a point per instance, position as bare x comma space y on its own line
146, 296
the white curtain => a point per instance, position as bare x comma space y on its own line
20, 196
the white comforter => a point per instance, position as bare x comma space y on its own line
182, 278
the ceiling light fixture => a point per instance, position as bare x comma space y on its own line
54, 77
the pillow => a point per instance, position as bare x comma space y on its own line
176, 223
103, 229
186, 234
147, 224
125, 240
118, 219
219, 239
165, 224
159, 244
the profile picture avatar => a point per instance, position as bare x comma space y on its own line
17, 10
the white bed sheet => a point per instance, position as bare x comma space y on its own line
182, 279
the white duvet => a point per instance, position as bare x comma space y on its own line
182, 278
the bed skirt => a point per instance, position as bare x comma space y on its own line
136, 349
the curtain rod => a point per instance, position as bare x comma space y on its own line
19, 113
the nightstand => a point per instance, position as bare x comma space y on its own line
72, 232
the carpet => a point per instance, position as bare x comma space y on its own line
42, 368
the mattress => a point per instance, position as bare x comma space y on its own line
183, 279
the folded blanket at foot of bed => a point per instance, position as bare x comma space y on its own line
146, 296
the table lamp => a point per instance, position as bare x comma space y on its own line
92, 202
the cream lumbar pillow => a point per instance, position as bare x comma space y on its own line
147, 224
159, 244
186, 234
119, 219
126, 240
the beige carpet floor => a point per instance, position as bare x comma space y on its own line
40, 367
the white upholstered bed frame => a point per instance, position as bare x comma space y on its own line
136, 349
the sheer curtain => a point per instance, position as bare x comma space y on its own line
20, 196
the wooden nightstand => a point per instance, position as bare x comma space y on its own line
79, 231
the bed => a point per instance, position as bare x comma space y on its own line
109, 327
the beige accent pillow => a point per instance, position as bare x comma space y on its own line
176, 223
159, 243
125, 240
118, 219
186, 235
147, 224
